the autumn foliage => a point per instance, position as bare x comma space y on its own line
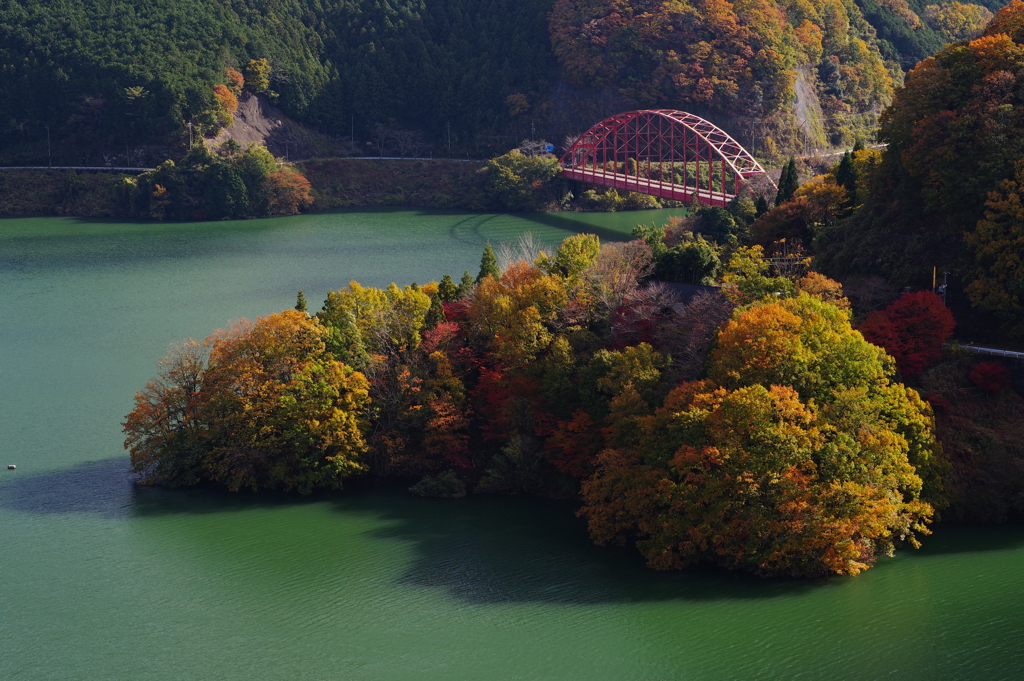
912, 329
268, 409
228, 100
796, 456
236, 81
945, 191
290, 192
788, 451
740, 58
992, 377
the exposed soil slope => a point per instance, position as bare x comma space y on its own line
260, 122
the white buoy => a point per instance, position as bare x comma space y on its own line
11, 466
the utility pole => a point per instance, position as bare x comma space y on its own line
942, 289
49, 155
190, 135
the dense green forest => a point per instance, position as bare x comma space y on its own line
109, 81
103, 75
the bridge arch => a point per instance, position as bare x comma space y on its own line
665, 153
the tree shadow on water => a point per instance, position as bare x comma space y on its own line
567, 223
483, 550
477, 550
101, 487
108, 488
488, 550
951, 538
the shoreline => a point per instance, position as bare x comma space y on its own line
337, 183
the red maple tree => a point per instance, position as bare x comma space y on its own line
912, 329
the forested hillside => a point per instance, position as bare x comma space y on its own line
945, 193
104, 78
104, 75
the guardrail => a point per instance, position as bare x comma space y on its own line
402, 158
134, 170
1013, 354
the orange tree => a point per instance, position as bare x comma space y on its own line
798, 455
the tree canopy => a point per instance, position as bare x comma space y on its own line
760, 433
268, 408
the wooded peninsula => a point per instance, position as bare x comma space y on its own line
774, 386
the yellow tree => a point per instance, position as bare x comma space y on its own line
257, 75
271, 409
513, 315
389, 320
281, 412
746, 277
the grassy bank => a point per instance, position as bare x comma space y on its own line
351, 183
58, 192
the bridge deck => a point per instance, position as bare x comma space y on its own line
663, 190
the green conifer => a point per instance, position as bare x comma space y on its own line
789, 182
846, 176
447, 291
488, 264
858, 145
300, 302
466, 285
761, 205
435, 315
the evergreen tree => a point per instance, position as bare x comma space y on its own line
435, 315
466, 285
761, 205
447, 291
488, 264
789, 182
226, 193
858, 145
300, 302
846, 176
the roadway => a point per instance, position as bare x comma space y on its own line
663, 190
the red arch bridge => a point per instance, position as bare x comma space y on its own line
664, 153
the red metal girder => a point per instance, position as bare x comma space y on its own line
662, 137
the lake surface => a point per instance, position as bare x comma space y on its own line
100, 579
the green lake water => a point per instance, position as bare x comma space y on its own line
100, 579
